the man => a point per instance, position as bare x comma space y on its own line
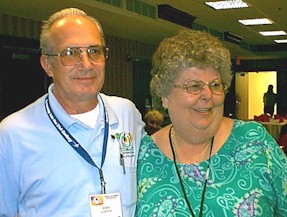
72, 152
269, 100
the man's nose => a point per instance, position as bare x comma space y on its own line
85, 60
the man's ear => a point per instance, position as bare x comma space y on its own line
46, 65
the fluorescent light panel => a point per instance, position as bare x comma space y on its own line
281, 41
231, 4
256, 21
273, 33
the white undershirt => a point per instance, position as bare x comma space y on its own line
89, 118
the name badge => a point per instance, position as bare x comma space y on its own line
105, 205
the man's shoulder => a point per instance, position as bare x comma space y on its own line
116, 100
121, 107
114, 97
25, 114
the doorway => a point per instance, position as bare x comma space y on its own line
249, 90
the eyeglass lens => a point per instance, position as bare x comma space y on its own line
72, 56
195, 87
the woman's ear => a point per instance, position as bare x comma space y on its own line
46, 65
164, 102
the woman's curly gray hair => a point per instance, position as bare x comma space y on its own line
189, 48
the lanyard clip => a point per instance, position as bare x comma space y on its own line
103, 183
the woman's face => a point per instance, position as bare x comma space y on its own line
202, 111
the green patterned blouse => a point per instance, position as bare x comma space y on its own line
247, 177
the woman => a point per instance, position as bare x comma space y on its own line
153, 120
205, 164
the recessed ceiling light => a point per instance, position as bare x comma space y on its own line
281, 41
230, 4
273, 33
256, 21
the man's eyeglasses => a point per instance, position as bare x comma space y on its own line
195, 87
72, 55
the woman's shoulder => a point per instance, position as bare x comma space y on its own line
246, 124
161, 136
158, 140
250, 130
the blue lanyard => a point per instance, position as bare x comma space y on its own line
74, 143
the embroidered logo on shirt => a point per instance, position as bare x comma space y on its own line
125, 143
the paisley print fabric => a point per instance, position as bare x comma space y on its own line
247, 178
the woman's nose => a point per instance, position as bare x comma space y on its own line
206, 91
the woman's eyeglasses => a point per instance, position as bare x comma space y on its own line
72, 55
195, 87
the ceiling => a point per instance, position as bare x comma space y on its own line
124, 23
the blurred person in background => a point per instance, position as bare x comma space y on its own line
154, 121
269, 101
